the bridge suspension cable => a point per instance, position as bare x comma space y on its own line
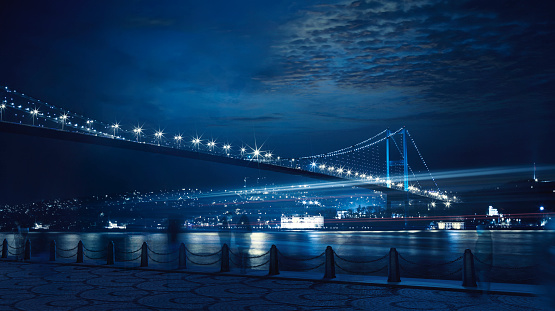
355, 147
363, 161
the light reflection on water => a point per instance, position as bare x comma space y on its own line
307, 243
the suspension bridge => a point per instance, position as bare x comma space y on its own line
378, 163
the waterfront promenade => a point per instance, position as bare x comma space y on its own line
64, 286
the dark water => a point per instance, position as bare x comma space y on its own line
514, 256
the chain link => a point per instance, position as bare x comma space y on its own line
127, 260
140, 248
93, 258
12, 247
358, 272
66, 250
66, 257
303, 269
354, 261
431, 264
158, 261
161, 254
302, 259
203, 255
15, 254
249, 257
260, 265
94, 251
204, 264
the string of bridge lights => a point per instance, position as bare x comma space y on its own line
196, 143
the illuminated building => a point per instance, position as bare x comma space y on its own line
302, 222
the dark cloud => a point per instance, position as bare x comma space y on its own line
347, 66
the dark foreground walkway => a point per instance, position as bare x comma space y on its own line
36, 286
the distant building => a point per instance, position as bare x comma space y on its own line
114, 225
492, 211
302, 222
341, 214
449, 225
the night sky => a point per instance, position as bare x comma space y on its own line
473, 81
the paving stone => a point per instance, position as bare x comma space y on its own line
40, 286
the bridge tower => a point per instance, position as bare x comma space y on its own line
403, 161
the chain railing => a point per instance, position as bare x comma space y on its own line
393, 262
244, 258
426, 268
297, 267
358, 263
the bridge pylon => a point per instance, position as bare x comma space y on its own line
403, 161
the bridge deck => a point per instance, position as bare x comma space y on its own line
22, 129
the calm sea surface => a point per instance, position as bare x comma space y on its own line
512, 256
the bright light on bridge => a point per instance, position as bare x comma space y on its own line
159, 134
256, 153
211, 144
2, 107
196, 142
34, 113
138, 130
63, 118
115, 127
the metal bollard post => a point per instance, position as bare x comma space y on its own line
182, 257
110, 254
79, 252
5, 249
393, 266
225, 259
27, 250
330, 264
144, 255
469, 274
274, 265
53, 250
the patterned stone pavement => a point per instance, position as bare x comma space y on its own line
35, 286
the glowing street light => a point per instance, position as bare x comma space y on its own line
138, 130
313, 165
348, 173
63, 118
227, 147
115, 127
268, 155
2, 107
243, 150
211, 145
178, 139
196, 142
89, 124
256, 153
34, 113
158, 135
